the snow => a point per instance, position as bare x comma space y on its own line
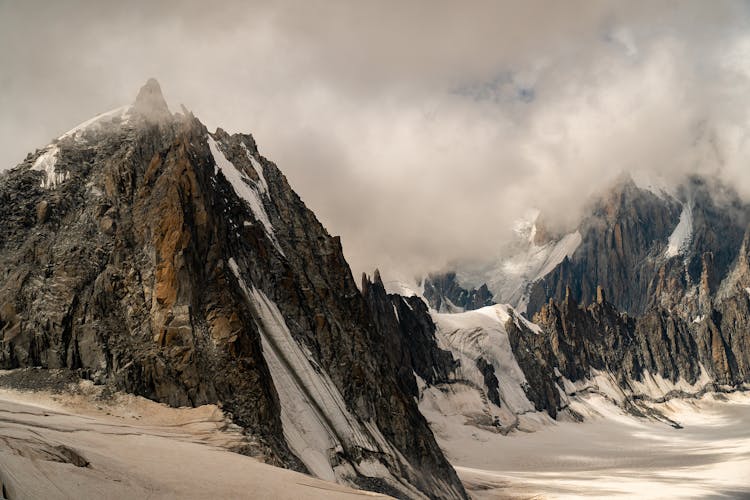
679, 240
262, 184
652, 386
655, 183
405, 288
46, 163
515, 451
510, 275
615, 455
136, 449
97, 122
469, 336
656, 387
563, 248
314, 416
249, 191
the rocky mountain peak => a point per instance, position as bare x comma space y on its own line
376, 277
150, 103
179, 265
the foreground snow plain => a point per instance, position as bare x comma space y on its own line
615, 455
136, 448
56, 446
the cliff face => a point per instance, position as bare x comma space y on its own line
651, 286
621, 242
579, 339
176, 264
647, 250
405, 324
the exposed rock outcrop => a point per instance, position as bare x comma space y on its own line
405, 325
170, 263
445, 294
647, 250
578, 339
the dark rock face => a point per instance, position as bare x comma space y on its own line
621, 241
624, 245
535, 358
405, 324
445, 294
122, 272
687, 308
578, 339
490, 380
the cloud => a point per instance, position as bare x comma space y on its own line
417, 130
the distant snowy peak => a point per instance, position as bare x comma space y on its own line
525, 227
523, 263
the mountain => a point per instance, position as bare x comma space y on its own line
646, 300
649, 249
646, 245
143, 252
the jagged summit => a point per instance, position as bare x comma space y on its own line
150, 102
180, 265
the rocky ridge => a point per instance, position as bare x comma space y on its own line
444, 294
144, 252
649, 300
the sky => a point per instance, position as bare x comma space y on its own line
418, 131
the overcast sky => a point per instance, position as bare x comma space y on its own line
418, 131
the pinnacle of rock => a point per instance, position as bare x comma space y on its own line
376, 279
150, 102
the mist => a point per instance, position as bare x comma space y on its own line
417, 131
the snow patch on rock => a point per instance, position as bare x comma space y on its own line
315, 420
249, 191
46, 162
680, 239
262, 184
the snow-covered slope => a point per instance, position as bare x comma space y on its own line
614, 455
59, 447
521, 263
465, 402
47, 161
480, 342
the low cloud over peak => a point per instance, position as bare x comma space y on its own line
417, 131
